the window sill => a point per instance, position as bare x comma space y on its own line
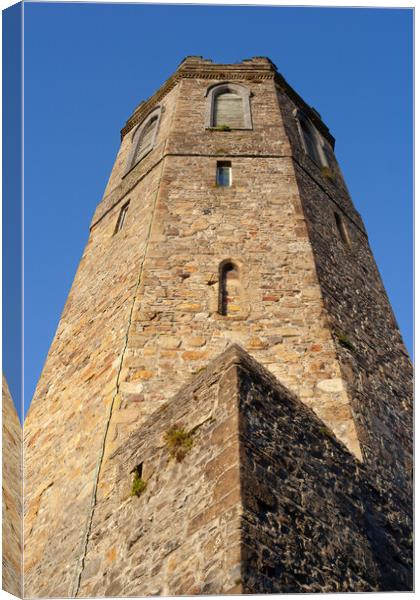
222, 130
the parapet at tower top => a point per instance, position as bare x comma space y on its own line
199, 59
197, 66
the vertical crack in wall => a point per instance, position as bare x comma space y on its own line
81, 561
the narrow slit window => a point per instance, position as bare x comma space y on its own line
121, 218
224, 174
138, 470
342, 230
228, 287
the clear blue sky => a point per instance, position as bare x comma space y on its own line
88, 66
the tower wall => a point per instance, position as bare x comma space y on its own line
257, 223
375, 366
182, 535
265, 500
12, 509
67, 422
142, 316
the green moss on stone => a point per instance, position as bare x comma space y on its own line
222, 128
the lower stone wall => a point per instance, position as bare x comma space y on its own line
182, 534
262, 499
313, 521
12, 496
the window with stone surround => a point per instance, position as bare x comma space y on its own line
144, 138
224, 173
311, 140
228, 106
229, 288
121, 218
342, 230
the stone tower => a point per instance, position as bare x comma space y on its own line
227, 297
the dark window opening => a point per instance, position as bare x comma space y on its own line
310, 141
342, 230
224, 173
138, 470
228, 286
121, 218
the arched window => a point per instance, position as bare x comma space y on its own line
144, 137
229, 287
228, 106
311, 140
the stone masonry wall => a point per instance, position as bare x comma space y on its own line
142, 317
182, 535
314, 519
12, 496
376, 367
265, 500
68, 417
257, 223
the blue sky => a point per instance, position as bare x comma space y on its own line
88, 65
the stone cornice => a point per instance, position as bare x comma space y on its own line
255, 69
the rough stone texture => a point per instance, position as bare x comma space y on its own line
142, 315
314, 519
377, 370
12, 496
182, 535
249, 509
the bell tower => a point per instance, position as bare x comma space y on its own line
225, 221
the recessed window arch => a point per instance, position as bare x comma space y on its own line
311, 140
228, 105
229, 287
144, 137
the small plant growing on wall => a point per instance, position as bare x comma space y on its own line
179, 442
139, 485
345, 341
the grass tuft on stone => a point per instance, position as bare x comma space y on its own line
345, 341
139, 485
179, 442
